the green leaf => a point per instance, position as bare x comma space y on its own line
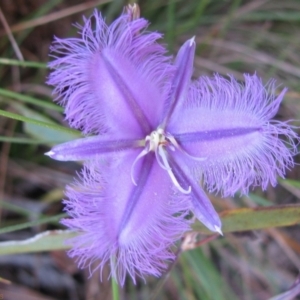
29, 99
43, 133
45, 241
36, 122
259, 200
15, 62
292, 186
288, 16
290, 182
233, 220
206, 277
14, 208
243, 219
43, 220
20, 140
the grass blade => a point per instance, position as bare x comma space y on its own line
45, 241
31, 100
36, 122
29, 64
43, 220
243, 219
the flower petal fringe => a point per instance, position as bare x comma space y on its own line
111, 69
131, 226
229, 124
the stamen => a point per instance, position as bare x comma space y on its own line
143, 153
158, 158
156, 142
174, 142
169, 170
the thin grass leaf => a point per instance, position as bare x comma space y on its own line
290, 182
171, 24
234, 220
43, 133
28, 64
243, 219
213, 286
190, 282
41, 221
21, 140
293, 186
36, 122
14, 208
285, 16
259, 200
45, 241
31, 100
53, 195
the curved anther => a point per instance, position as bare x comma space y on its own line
177, 146
162, 154
143, 153
158, 158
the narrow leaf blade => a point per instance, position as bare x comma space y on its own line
45, 241
243, 219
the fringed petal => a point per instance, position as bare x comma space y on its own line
131, 226
229, 124
118, 71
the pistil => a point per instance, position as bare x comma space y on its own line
157, 141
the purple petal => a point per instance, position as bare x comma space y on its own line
132, 226
201, 205
112, 78
229, 125
181, 81
90, 147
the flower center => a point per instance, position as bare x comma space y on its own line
157, 142
155, 139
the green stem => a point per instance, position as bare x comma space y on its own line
115, 289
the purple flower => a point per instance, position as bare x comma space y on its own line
152, 137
